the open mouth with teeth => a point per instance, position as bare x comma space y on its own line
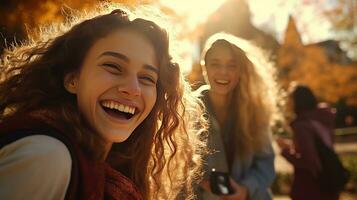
117, 110
221, 81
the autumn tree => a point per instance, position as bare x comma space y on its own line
322, 66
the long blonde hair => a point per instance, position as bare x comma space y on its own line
255, 96
163, 154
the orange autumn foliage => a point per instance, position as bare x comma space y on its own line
330, 79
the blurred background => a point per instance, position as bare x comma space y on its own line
311, 42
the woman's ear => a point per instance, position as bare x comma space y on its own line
204, 73
204, 70
70, 82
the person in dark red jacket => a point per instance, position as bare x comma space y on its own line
97, 110
302, 153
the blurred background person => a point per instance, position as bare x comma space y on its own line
301, 152
240, 103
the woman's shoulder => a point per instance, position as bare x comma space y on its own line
42, 149
303, 129
38, 163
300, 123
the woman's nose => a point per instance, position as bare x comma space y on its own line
223, 70
130, 87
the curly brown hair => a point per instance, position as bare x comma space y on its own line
163, 155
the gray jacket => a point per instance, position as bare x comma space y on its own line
255, 171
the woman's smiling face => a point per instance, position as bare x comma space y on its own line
116, 86
221, 70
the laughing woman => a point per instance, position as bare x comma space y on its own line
99, 111
241, 105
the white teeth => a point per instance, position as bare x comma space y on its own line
121, 107
118, 106
222, 81
126, 109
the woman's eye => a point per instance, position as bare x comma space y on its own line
148, 80
112, 68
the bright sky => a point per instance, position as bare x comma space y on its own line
270, 15
196, 11
273, 15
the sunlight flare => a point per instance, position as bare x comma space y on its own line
196, 11
193, 14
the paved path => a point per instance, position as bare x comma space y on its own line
281, 165
281, 198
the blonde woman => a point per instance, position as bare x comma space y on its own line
241, 104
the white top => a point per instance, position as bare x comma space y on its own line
34, 167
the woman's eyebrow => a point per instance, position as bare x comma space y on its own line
115, 54
152, 68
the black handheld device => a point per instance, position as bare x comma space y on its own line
219, 183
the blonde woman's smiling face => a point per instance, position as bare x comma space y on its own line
116, 86
221, 70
